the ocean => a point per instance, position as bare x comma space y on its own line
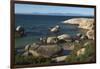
37, 26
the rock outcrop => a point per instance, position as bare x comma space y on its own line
85, 23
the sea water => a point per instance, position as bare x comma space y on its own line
37, 26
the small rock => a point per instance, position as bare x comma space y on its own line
59, 59
81, 52
51, 40
83, 37
79, 35
87, 43
65, 37
90, 34
77, 41
25, 53
34, 53
27, 47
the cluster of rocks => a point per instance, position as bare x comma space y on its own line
47, 51
87, 24
54, 40
63, 38
51, 48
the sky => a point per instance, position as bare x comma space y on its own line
44, 9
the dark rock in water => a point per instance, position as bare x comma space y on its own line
79, 34
20, 34
19, 31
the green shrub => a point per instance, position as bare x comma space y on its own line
21, 60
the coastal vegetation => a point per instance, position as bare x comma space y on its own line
26, 60
88, 56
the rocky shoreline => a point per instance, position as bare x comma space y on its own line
52, 46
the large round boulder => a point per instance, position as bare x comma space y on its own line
44, 50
